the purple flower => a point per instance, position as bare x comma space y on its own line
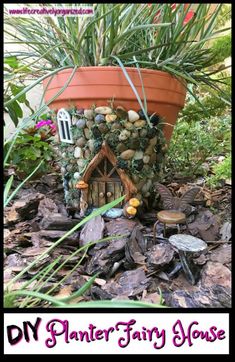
48, 122
43, 123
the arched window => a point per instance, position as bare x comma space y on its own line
64, 126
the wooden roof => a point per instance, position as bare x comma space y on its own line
105, 151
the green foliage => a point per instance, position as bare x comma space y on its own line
222, 48
222, 171
193, 142
223, 16
14, 87
76, 132
210, 100
28, 150
155, 37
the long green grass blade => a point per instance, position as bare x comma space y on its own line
114, 304
97, 212
21, 184
133, 88
7, 189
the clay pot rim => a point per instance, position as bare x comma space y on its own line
117, 68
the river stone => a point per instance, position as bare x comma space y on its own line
135, 179
140, 184
74, 120
121, 147
63, 155
80, 111
124, 135
69, 168
187, 243
116, 125
128, 125
147, 169
146, 194
140, 123
81, 163
78, 152
153, 158
70, 149
149, 150
143, 132
153, 141
88, 113
89, 123
81, 123
63, 171
103, 128
72, 161
127, 155
91, 145
133, 116
135, 134
113, 213
76, 175
138, 155
146, 159
87, 154
110, 117
87, 133
81, 142
134, 143
121, 113
147, 186
99, 118
103, 110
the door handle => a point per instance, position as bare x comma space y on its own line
109, 194
101, 194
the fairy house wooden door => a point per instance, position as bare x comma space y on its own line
105, 181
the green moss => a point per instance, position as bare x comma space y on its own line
122, 163
76, 132
112, 140
97, 145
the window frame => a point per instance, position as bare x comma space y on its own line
64, 126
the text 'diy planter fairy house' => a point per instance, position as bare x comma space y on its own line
107, 153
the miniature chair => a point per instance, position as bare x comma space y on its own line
169, 217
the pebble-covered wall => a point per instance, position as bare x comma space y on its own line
138, 147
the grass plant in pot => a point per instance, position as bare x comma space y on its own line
137, 56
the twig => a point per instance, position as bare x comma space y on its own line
219, 241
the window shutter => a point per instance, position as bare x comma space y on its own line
64, 126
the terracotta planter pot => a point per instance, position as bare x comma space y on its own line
97, 85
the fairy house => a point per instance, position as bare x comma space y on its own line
106, 153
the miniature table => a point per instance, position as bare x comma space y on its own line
170, 217
186, 245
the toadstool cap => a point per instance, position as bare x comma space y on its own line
81, 185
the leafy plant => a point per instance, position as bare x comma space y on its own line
12, 64
221, 48
193, 142
7, 198
156, 36
222, 171
30, 147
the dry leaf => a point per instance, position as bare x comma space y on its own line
64, 292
